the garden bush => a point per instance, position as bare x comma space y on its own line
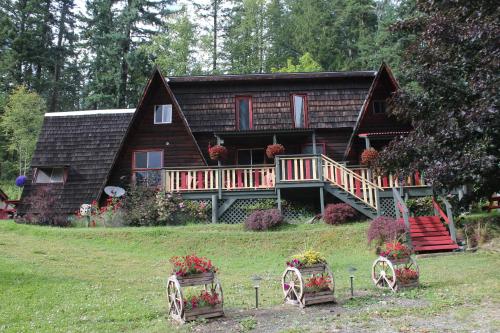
264, 219
42, 204
338, 213
385, 229
477, 229
421, 207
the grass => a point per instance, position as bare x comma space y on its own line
113, 280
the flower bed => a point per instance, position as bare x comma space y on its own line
396, 252
406, 277
205, 305
192, 265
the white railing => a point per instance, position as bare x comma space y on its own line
350, 181
390, 180
209, 179
298, 168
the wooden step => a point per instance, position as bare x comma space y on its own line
436, 247
430, 242
428, 229
431, 238
429, 233
426, 225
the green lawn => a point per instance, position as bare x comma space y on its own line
113, 280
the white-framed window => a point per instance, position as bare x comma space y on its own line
163, 114
379, 107
49, 175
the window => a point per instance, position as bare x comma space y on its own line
379, 107
299, 110
244, 113
146, 167
163, 114
251, 156
308, 148
49, 175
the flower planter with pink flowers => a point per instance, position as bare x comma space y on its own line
185, 301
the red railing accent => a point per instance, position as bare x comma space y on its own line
440, 211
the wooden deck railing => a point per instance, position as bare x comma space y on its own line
390, 180
350, 181
298, 168
208, 179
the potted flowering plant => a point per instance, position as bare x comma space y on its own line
204, 299
406, 277
308, 258
217, 152
317, 283
274, 149
192, 265
369, 156
396, 252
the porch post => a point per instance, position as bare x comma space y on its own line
322, 200
314, 142
367, 142
278, 193
275, 139
214, 208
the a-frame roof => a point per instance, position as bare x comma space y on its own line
384, 71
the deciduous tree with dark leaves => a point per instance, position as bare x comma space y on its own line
451, 97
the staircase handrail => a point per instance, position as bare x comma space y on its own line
349, 171
401, 208
448, 216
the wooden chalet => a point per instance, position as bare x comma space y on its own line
324, 120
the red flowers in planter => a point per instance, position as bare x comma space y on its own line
396, 251
191, 264
204, 299
217, 152
406, 275
318, 282
368, 156
274, 149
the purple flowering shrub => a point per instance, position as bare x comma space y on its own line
263, 219
385, 229
338, 213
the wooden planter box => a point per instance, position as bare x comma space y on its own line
318, 297
196, 279
203, 312
314, 269
400, 261
413, 284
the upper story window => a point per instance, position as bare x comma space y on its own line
146, 167
244, 113
379, 107
299, 110
163, 114
49, 175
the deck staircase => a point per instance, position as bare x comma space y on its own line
428, 233
350, 187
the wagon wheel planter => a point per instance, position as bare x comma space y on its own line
308, 284
208, 301
395, 274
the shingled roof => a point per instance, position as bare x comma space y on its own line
86, 142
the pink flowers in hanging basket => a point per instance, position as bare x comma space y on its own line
368, 156
274, 149
217, 152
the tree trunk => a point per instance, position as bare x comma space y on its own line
54, 99
214, 51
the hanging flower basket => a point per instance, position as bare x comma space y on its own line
217, 152
274, 149
369, 156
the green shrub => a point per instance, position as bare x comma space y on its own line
421, 207
478, 229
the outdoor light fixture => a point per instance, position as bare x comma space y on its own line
351, 277
256, 281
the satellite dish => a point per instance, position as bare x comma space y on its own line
114, 191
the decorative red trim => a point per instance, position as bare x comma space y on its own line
237, 111
306, 110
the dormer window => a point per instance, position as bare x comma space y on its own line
379, 107
163, 114
49, 175
244, 113
299, 110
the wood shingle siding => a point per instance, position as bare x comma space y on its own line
87, 144
332, 103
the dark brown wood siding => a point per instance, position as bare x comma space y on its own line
178, 146
333, 103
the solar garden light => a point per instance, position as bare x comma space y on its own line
256, 281
351, 277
